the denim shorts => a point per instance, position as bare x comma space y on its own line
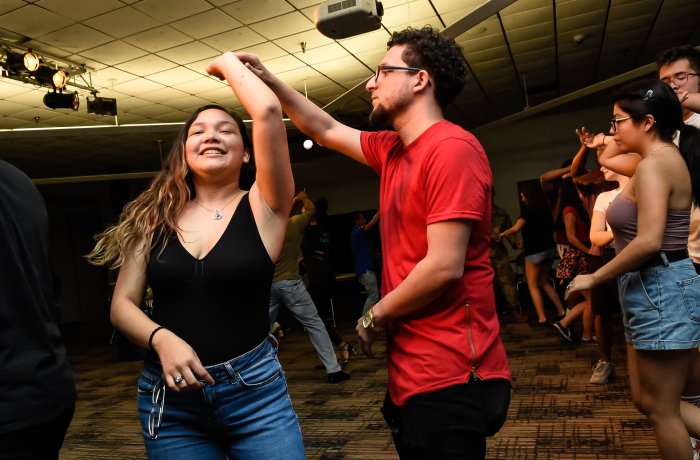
540, 258
661, 307
247, 414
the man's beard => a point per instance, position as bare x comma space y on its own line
380, 117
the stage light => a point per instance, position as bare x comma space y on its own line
54, 100
308, 143
31, 61
59, 79
102, 106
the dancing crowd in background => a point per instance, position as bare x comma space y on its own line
219, 235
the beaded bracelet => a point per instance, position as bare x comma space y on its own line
150, 337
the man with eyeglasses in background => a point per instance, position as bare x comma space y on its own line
449, 382
679, 67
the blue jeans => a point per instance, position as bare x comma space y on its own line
247, 414
293, 294
661, 307
368, 280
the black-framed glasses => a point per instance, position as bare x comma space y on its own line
679, 79
384, 68
615, 121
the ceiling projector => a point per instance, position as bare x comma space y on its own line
344, 18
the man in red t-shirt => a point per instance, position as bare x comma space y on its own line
449, 381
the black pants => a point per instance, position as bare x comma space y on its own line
450, 423
37, 442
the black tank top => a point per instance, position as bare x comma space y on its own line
218, 304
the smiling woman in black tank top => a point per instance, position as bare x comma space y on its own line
207, 249
659, 288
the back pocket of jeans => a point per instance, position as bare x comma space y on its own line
690, 289
261, 373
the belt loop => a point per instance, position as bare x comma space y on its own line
273, 339
664, 258
229, 369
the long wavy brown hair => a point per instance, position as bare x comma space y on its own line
152, 216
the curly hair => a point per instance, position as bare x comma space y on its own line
439, 54
152, 216
677, 53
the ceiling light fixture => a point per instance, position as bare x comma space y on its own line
102, 105
58, 100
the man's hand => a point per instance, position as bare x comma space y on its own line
252, 62
367, 337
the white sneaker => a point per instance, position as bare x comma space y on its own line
601, 373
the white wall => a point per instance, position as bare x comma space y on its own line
524, 150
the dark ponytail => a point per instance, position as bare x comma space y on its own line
689, 145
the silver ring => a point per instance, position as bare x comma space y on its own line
568, 286
178, 379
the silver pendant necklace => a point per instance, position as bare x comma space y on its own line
217, 213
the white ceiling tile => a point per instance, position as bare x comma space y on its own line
236, 39
131, 103
171, 10
186, 102
251, 11
175, 76
76, 38
301, 4
221, 2
542, 30
283, 64
152, 110
525, 7
574, 24
114, 53
282, 26
109, 75
147, 65
366, 42
344, 70
206, 24
79, 10
416, 13
312, 38
321, 54
33, 21
201, 84
525, 46
43, 47
266, 51
122, 22
178, 116
158, 39
12, 123
188, 53
8, 108
371, 58
164, 95
129, 118
137, 87
8, 5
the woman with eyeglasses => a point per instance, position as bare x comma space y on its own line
204, 236
659, 288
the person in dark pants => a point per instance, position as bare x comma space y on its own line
448, 376
37, 391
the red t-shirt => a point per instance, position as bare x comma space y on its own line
442, 175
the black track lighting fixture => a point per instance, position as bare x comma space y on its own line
58, 100
102, 105
47, 76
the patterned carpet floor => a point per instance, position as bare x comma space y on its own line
554, 414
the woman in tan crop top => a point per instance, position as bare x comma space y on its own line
659, 289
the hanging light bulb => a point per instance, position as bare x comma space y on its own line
31, 61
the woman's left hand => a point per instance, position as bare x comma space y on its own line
580, 283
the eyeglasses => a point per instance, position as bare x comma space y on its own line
679, 79
615, 121
384, 68
155, 417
